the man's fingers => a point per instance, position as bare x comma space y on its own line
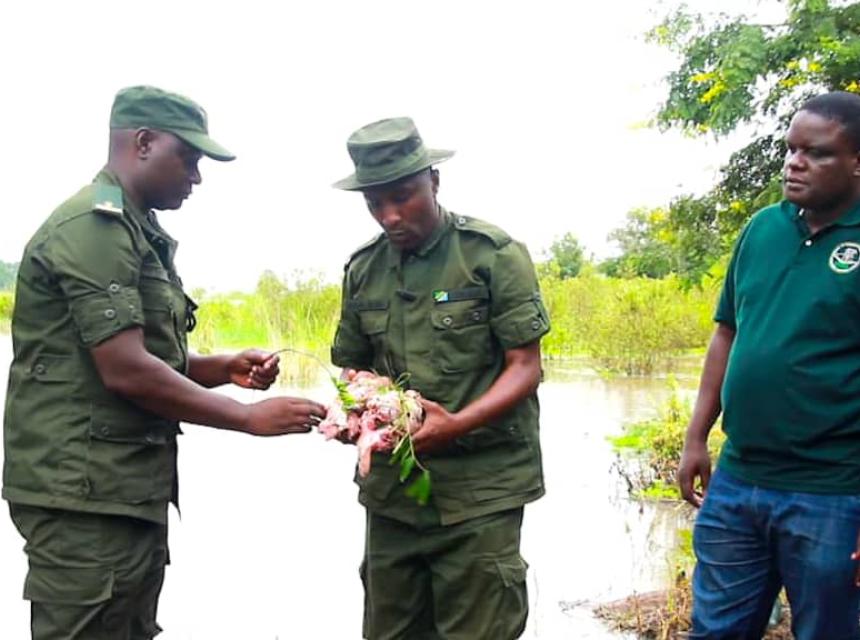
705, 477
301, 428
317, 410
685, 482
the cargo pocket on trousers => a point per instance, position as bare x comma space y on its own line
69, 585
509, 611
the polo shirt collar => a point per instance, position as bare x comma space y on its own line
850, 218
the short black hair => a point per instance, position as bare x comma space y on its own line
841, 106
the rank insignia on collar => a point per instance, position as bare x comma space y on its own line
108, 206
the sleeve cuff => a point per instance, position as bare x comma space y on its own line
101, 315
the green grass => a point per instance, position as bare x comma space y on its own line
649, 451
631, 326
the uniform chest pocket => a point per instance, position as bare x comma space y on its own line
165, 309
462, 337
374, 326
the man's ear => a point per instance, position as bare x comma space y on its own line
143, 139
434, 178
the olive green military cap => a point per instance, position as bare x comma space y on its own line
385, 151
153, 108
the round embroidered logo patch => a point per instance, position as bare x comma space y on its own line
845, 257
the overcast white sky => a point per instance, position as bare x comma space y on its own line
541, 100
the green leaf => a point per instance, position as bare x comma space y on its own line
420, 489
406, 466
346, 399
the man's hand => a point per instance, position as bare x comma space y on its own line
439, 428
283, 415
695, 463
253, 369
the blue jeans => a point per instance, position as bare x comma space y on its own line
750, 541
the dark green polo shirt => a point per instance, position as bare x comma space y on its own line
791, 394
442, 318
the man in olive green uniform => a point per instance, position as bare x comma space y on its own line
453, 302
101, 377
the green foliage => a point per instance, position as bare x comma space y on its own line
343, 394
300, 313
7, 301
420, 488
649, 451
8, 273
645, 248
404, 455
630, 326
567, 257
732, 71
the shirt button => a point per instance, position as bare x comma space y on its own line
113, 287
461, 220
476, 315
535, 324
39, 369
105, 430
808, 243
149, 438
110, 314
447, 321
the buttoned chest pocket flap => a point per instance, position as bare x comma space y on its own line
462, 336
165, 310
373, 322
132, 456
156, 289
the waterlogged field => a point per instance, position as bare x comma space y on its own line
270, 537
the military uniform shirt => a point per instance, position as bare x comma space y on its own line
442, 317
96, 267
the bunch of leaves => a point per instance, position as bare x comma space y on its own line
403, 453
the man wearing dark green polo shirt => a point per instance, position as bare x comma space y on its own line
102, 375
783, 507
454, 303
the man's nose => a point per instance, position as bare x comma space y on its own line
795, 160
390, 216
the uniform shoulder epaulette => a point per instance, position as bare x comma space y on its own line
365, 247
496, 235
107, 198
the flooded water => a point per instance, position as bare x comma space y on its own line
270, 537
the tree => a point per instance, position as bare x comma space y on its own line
567, 256
732, 72
645, 247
